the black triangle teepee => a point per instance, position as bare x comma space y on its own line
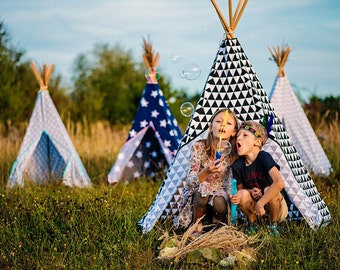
241, 92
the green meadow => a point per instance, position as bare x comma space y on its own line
56, 227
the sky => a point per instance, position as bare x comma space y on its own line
55, 32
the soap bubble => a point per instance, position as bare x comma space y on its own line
172, 100
225, 147
187, 109
190, 72
175, 58
152, 72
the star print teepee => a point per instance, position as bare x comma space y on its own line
46, 153
232, 83
294, 119
154, 135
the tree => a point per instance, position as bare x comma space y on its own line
18, 85
327, 108
108, 85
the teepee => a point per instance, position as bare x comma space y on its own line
294, 119
232, 83
154, 135
46, 153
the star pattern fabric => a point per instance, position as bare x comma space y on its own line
152, 142
297, 125
47, 152
232, 83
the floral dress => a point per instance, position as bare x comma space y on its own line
217, 184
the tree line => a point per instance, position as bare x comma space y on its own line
106, 85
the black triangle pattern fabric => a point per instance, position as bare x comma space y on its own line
232, 83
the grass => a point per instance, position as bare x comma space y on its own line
56, 227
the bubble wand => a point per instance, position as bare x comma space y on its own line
219, 146
233, 206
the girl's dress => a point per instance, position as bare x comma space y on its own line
217, 184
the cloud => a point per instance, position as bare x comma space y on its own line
57, 31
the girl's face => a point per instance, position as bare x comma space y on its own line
224, 132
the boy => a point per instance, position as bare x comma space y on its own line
259, 181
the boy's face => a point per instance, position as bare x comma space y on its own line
225, 132
246, 142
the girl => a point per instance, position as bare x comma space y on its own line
209, 178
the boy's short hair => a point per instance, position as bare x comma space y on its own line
256, 128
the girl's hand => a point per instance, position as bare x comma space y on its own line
218, 166
214, 166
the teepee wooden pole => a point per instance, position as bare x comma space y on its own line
37, 75
225, 25
239, 12
156, 60
230, 12
151, 60
48, 74
44, 78
234, 18
146, 61
280, 56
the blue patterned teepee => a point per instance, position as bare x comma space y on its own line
232, 83
47, 153
154, 135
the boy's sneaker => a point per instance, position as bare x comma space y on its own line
252, 229
274, 230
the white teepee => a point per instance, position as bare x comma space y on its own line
47, 153
294, 119
154, 135
232, 83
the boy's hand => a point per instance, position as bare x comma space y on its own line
234, 199
259, 210
256, 193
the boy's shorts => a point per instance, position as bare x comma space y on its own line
283, 210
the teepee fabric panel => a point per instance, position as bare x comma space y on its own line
142, 156
232, 83
154, 135
298, 127
47, 152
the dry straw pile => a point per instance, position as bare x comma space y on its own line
223, 244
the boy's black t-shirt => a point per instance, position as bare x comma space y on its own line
256, 174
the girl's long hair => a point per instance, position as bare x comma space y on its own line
210, 142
